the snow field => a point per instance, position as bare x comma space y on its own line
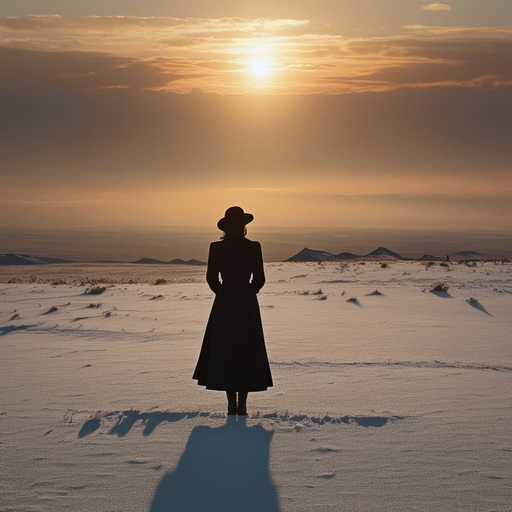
400, 401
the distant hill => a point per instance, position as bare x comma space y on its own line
429, 257
44, 259
383, 253
196, 262
179, 261
468, 255
19, 259
347, 256
149, 261
312, 255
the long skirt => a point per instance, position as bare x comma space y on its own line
233, 355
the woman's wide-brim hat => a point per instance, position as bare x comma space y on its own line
234, 218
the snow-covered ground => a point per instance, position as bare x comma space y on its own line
399, 401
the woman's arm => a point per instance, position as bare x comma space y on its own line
258, 274
212, 272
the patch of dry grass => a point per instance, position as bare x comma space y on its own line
95, 290
310, 292
440, 287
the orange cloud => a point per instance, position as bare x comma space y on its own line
429, 61
217, 55
79, 71
436, 7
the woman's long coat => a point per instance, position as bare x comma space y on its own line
233, 355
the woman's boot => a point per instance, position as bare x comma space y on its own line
241, 410
232, 409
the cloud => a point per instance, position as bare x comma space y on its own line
459, 32
216, 55
135, 33
436, 7
74, 71
419, 62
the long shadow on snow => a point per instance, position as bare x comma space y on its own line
221, 470
12, 328
443, 295
150, 419
479, 306
127, 419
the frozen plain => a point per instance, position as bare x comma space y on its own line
398, 402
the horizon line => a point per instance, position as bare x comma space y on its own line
214, 229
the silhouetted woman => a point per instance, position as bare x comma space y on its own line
233, 357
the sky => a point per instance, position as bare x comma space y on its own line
333, 113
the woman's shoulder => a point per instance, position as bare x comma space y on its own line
220, 245
253, 245
215, 247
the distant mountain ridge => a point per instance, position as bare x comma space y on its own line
468, 254
176, 261
19, 259
306, 254
381, 253
26, 259
312, 255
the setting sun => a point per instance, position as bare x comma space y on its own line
260, 67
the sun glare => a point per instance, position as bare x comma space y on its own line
260, 67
